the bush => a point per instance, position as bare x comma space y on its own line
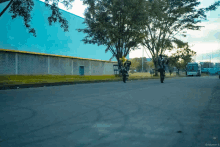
132, 71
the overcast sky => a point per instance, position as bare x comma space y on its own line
205, 42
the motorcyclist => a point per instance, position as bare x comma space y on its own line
123, 60
125, 64
161, 62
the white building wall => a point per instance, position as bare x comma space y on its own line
7, 63
21, 63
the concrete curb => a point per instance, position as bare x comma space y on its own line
19, 86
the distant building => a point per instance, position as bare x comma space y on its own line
148, 59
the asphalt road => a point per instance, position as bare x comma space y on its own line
182, 112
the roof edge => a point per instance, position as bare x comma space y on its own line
53, 55
66, 11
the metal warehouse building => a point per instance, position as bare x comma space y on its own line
53, 51
14, 62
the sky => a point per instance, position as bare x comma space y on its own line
205, 42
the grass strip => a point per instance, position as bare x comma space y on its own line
36, 79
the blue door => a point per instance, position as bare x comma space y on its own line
81, 70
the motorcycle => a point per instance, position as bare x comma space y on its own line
124, 75
162, 75
124, 71
162, 62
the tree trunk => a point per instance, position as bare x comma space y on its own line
119, 67
156, 72
2, 1
156, 69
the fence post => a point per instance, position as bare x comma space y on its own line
16, 63
48, 65
90, 67
72, 66
115, 67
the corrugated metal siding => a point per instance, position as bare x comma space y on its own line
36, 64
7, 63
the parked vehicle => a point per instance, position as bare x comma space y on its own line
218, 72
213, 71
193, 69
204, 70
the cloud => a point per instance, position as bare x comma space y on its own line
217, 35
77, 9
209, 54
204, 47
207, 33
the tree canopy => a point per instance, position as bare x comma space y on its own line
165, 19
114, 24
182, 57
23, 8
136, 64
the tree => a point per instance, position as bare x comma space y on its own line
182, 57
23, 8
187, 56
175, 61
151, 64
170, 70
167, 18
136, 64
115, 24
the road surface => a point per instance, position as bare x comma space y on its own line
181, 112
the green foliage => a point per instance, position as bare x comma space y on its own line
115, 24
182, 57
136, 64
34, 79
213, 6
23, 8
151, 64
167, 18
